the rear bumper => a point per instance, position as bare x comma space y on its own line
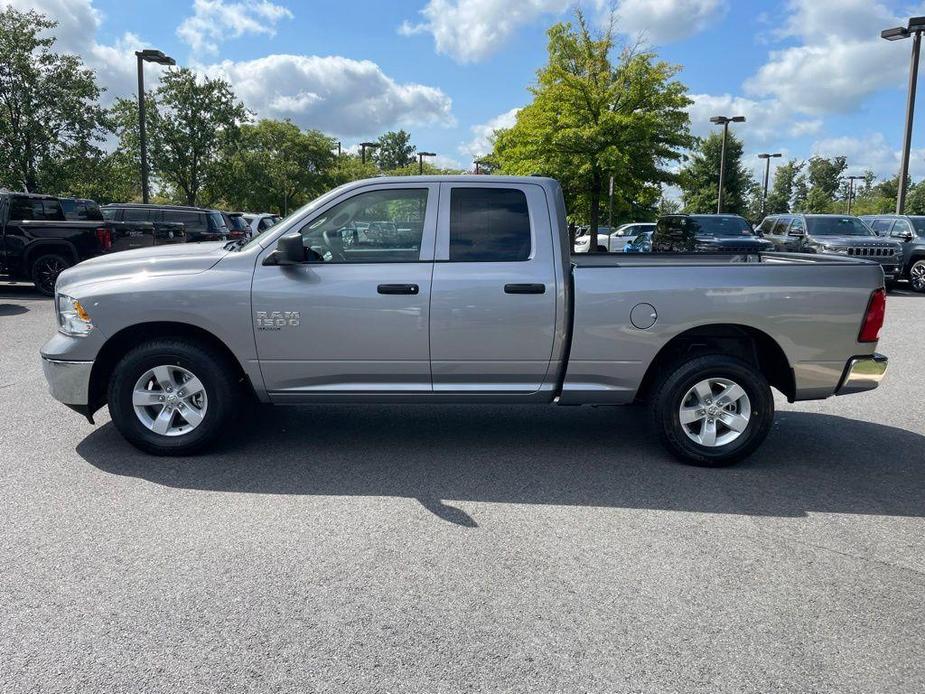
68, 381
862, 373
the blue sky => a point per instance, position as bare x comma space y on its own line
811, 76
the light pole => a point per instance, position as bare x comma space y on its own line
339, 150
148, 55
724, 121
478, 165
610, 207
767, 172
851, 180
914, 29
367, 145
421, 156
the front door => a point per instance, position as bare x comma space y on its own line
354, 319
493, 301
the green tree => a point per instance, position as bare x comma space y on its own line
825, 180
783, 188
915, 199
49, 116
591, 118
395, 150
800, 193
190, 123
699, 178
667, 206
272, 165
350, 167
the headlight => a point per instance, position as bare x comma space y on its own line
73, 318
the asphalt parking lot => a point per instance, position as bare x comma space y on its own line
462, 548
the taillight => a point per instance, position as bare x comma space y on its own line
873, 318
104, 236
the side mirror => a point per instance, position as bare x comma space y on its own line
289, 251
796, 232
903, 235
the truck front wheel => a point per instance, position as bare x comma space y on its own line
712, 410
173, 397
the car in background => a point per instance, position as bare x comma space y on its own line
260, 222
625, 233
909, 232
38, 241
832, 234
641, 243
706, 233
238, 227
199, 223
583, 238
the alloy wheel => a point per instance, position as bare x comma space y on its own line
169, 400
715, 412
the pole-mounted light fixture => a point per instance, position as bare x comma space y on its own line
767, 171
421, 156
364, 146
724, 121
913, 28
148, 55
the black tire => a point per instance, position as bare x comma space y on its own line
675, 384
45, 269
219, 378
601, 249
917, 275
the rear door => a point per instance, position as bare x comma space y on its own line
493, 299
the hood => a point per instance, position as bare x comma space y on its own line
172, 259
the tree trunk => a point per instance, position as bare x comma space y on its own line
595, 209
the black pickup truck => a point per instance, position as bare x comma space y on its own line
38, 241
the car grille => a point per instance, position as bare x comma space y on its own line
871, 252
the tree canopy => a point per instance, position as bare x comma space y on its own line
395, 150
50, 119
699, 178
593, 116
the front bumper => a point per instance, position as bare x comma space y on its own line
862, 373
68, 381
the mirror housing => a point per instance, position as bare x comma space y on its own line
289, 251
904, 235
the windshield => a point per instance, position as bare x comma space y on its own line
297, 214
837, 226
919, 224
714, 225
216, 221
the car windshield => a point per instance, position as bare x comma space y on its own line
837, 226
919, 224
711, 225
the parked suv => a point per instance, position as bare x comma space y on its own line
832, 234
909, 231
199, 223
706, 233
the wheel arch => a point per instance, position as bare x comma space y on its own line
127, 338
43, 247
743, 341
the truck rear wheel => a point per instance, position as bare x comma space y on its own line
173, 397
712, 410
45, 270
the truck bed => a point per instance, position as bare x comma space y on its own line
809, 305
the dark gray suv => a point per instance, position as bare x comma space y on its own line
908, 230
835, 234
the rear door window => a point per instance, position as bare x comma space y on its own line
193, 222
780, 227
137, 214
881, 226
489, 225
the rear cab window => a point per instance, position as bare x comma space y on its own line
36, 209
489, 225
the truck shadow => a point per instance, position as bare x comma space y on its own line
536, 455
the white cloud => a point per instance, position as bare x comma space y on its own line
766, 120
840, 58
338, 95
871, 152
661, 21
471, 30
215, 20
483, 134
78, 23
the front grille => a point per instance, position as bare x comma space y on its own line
871, 252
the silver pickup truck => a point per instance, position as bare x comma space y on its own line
457, 290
